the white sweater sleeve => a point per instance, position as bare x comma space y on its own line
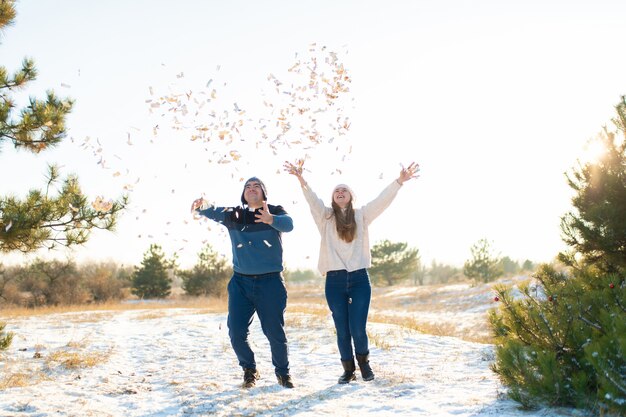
318, 209
374, 208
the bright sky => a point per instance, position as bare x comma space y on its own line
494, 99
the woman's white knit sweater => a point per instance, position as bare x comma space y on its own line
338, 254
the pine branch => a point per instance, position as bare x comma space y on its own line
616, 298
594, 325
531, 299
7, 135
520, 322
617, 384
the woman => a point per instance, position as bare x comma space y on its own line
344, 258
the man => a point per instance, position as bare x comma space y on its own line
257, 284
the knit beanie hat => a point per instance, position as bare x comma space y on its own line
243, 200
352, 195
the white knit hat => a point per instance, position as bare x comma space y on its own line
347, 187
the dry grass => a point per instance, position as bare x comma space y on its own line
151, 315
381, 341
393, 379
75, 355
435, 329
295, 321
78, 344
308, 320
76, 360
309, 309
432, 298
309, 299
409, 322
306, 292
387, 302
15, 380
206, 304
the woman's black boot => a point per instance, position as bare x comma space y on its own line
348, 372
364, 365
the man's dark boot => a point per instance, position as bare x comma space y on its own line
250, 376
348, 372
285, 380
364, 366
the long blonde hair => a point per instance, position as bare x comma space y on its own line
344, 221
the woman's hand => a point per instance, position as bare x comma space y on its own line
296, 170
408, 173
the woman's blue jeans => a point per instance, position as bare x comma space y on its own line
267, 296
348, 295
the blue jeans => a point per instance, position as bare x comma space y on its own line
348, 295
267, 296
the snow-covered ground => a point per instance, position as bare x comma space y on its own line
178, 362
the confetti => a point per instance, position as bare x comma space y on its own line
100, 205
312, 92
301, 110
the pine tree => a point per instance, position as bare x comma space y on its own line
509, 266
5, 338
597, 227
392, 261
208, 276
151, 280
60, 214
441, 273
483, 265
528, 265
562, 340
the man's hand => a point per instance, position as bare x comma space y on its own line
197, 204
264, 215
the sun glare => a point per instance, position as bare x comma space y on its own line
593, 151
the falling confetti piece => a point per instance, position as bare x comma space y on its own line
100, 205
8, 226
267, 243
